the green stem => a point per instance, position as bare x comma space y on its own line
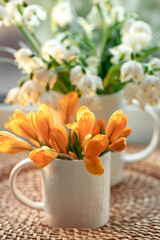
30, 39
108, 76
8, 49
35, 38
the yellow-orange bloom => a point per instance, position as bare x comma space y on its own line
99, 126
11, 144
43, 156
44, 122
116, 125
85, 122
118, 145
127, 131
58, 139
19, 123
68, 105
73, 155
95, 147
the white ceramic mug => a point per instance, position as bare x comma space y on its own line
111, 103
72, 197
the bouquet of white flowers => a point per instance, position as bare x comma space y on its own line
100, 54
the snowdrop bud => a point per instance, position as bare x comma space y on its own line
85, 25
52, 48
26, 61
4, 17
32, 14
132, 70
118, 13
62, 14
30, 92
120, 52
155, 63
13, 96
92, 70
76, 74
13, 11
94, 17
87, 85
130, 91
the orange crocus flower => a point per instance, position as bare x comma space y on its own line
118, 145
58, 139
95, 147
11, 144
116, 125
19, 123
85, 122
44, 122
68, 105
43, 156
73, 155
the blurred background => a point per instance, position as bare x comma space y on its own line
9, 75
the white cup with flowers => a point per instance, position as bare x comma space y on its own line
72, 197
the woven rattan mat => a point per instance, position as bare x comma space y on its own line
134, 212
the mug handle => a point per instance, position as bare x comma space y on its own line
12, 181
154, 140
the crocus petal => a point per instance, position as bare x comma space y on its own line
81, 111
43, 156
73, 155
96, 146
101, 123
68, 105
118, 145
85, 124
127, 131
58, 139
11, 144
94, 166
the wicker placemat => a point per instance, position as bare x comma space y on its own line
134, 212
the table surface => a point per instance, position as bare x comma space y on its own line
134, 211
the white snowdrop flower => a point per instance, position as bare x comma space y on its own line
26, 61
13, 96
132, 70
130, 91
87, 85
47, 98
62, 14
32, 14
98, 81
120, 52
71, 51
138, 36
118, 13
155, 63
4, 17
13, 11
93, 61
54, 49
76, 74
149, 82
147, 98
30, 92
43, 76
